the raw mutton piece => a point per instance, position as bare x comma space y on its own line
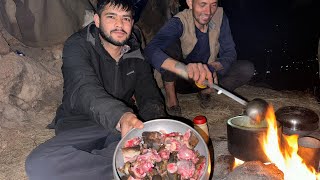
162, 156
130, 153
152, 139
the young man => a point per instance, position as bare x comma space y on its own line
103, 69
200, 34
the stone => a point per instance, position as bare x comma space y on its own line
223, 165
26, 87
4, 46
256, 170
12, 116
57, 52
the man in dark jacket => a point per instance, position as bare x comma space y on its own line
103, 70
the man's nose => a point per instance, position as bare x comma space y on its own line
207, 10
119, 22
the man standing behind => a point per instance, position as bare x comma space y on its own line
102, 69
200, 34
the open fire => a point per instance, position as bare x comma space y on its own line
283, 152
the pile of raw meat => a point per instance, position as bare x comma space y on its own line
162, 156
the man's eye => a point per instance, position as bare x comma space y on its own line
214, 5
111, 17
127, 19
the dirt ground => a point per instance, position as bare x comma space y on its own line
17, 143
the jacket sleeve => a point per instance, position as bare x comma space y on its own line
148, 96
83, 92
227, 52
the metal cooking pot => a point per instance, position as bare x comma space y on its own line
297, 120
309, 151
167, 125
244, 139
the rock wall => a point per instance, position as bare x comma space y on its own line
42, 22
154, 16
26, 87
27, 84
4, 46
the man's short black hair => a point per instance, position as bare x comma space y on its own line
126, 5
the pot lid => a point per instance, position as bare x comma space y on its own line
298, 118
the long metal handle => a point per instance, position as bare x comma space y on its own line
227, 93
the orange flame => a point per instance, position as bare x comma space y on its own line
285, 156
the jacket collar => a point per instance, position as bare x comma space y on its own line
90, 31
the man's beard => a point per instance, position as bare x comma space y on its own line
111, 40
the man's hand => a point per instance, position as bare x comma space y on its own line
200, 72
129, 121
215, 77
216, 65
196, 71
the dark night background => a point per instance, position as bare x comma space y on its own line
280, 37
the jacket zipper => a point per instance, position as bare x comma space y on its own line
116, 78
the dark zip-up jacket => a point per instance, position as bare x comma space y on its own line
99, 89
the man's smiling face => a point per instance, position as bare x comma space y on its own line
203, 10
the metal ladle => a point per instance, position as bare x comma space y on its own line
255, 109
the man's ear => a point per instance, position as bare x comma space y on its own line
189, 3
96, 20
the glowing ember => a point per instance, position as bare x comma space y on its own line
285, 157
237, 162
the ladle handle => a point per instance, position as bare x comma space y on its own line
227, 93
